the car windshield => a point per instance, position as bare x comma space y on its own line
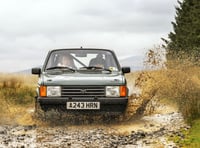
82, 60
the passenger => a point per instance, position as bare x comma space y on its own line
99, 61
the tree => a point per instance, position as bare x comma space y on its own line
186, 28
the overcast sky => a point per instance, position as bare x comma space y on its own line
30, 28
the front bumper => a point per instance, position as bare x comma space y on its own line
111, 105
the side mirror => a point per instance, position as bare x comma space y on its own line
126, 69
36, 71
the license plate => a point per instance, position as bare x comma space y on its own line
83, 105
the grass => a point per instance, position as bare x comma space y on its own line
191, 137
17, 89
179, 85
16, 97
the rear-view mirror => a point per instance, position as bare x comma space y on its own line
81, 54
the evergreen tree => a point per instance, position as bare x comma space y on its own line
186, 34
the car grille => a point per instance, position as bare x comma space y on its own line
83, 91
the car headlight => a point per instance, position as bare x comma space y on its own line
112, 91
53, 91
50, 91
116, 91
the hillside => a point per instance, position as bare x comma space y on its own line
135, 62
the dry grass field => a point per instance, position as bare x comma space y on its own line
180, 86
16, 97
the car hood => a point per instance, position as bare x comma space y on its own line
82, 79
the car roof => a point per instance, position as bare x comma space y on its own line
81, 48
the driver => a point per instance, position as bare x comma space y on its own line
66, 60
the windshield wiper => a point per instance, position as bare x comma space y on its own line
62, 67
96, 68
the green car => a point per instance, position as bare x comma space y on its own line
82, 80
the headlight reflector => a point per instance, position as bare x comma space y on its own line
53, 91
112, 91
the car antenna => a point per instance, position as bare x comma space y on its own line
81, 47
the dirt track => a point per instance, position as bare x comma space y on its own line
148, 131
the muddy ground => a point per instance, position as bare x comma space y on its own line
149, 130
